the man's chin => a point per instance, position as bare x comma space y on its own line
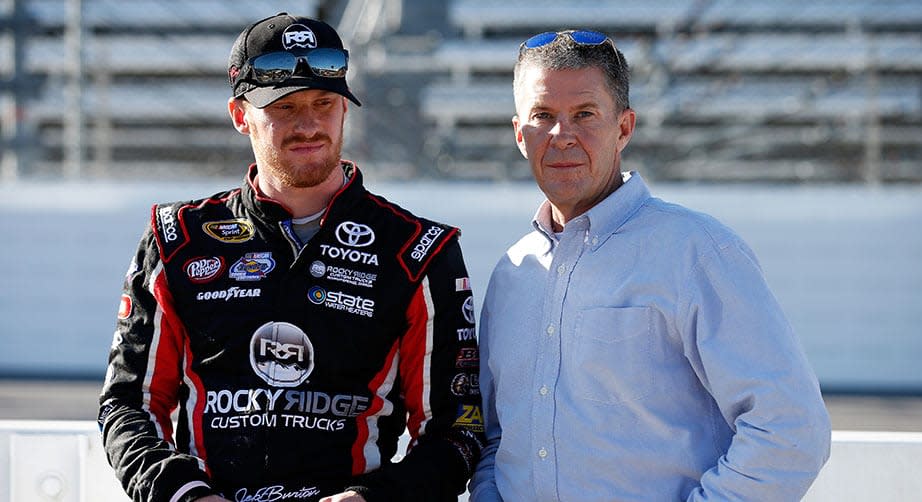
309, 177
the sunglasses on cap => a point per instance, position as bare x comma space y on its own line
277, 67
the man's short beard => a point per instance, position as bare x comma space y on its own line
304, 177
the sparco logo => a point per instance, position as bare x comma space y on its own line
204, 268
354, 234
168, 221
227, 294
422, 247
298, 35
281, 354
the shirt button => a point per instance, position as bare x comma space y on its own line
542, 453
550, 329
543, 390
595, 240
561, 269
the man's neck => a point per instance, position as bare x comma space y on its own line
302, 201
561, 214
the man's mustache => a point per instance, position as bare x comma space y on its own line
300, 138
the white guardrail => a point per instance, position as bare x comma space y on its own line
63, 461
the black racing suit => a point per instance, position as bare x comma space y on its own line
295, 369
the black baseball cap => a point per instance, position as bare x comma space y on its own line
283, 33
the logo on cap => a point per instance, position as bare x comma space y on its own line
298, 35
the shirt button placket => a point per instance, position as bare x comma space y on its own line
548, 361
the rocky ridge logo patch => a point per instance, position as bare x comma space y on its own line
281, 354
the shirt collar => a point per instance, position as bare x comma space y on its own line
606, 217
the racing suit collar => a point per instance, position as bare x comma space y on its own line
270, 210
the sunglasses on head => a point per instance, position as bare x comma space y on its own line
277, 67
581, 37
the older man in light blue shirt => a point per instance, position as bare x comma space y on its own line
630, 348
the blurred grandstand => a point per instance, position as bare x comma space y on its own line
726, 90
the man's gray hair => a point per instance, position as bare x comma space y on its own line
564, 53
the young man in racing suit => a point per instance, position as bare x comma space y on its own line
299, 323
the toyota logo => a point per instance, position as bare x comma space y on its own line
355, 234
468, 309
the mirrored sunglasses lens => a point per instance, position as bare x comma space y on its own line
588, 37
329, 63
274, 67
540, 39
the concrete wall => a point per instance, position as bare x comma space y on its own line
844, 261
64, 462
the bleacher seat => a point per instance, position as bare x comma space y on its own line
166, 14
794, 14
476, 17
798, 52
145, 54
189, 102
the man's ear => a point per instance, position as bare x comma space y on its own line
519, 138
626, 124
237, 109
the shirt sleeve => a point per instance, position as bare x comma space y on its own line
483, 485
746, 355
142, 386
439, 368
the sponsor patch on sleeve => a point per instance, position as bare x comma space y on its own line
463, 284
124, 307
104, 412
169, 230
470, 417
468, 357
423, 246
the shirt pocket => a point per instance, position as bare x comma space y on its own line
613, 354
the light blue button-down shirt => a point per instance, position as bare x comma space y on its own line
639, 355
